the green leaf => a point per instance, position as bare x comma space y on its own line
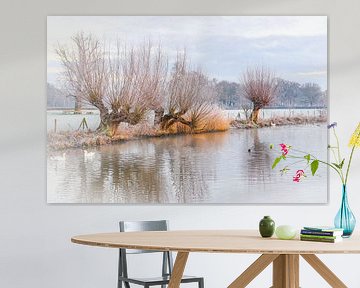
314, 166
339, 166
284, 170
336, 165
342, 163
276, 162
307, 157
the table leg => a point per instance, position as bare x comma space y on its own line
286, 271
178, 270
324, 271
253, 270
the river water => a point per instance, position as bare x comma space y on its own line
224, 167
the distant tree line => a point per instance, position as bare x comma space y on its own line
230, 95
57, 98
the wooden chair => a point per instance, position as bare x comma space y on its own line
167, 262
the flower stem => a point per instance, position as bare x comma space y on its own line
337, 144
339, 155
348, 166
350, 159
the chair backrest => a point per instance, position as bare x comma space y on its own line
134, 226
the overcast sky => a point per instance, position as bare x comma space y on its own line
295, 47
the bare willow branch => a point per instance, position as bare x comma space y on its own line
123, 84
85, 68
259, 85
189, 96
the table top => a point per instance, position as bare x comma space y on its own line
217, 241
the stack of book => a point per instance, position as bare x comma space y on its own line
321, 234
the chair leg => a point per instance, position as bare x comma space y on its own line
201, 283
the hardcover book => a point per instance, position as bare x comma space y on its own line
323, 228
325, 240
319, 236
321, 233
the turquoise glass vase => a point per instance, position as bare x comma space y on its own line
345, 219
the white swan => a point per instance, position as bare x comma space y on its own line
88, 155
58, 157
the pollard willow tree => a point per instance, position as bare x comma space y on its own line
259, 85
189, 98
137, 79
123, 84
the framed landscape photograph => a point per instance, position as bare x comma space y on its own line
185, 109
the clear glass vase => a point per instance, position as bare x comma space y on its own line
345, 219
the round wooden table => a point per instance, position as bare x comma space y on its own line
284, 254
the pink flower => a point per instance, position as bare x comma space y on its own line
298, 175
284, 149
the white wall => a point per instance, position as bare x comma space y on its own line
35, 248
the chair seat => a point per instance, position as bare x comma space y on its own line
158, 280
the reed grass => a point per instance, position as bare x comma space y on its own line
215, 121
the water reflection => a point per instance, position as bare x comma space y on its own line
228, 167
259, 152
